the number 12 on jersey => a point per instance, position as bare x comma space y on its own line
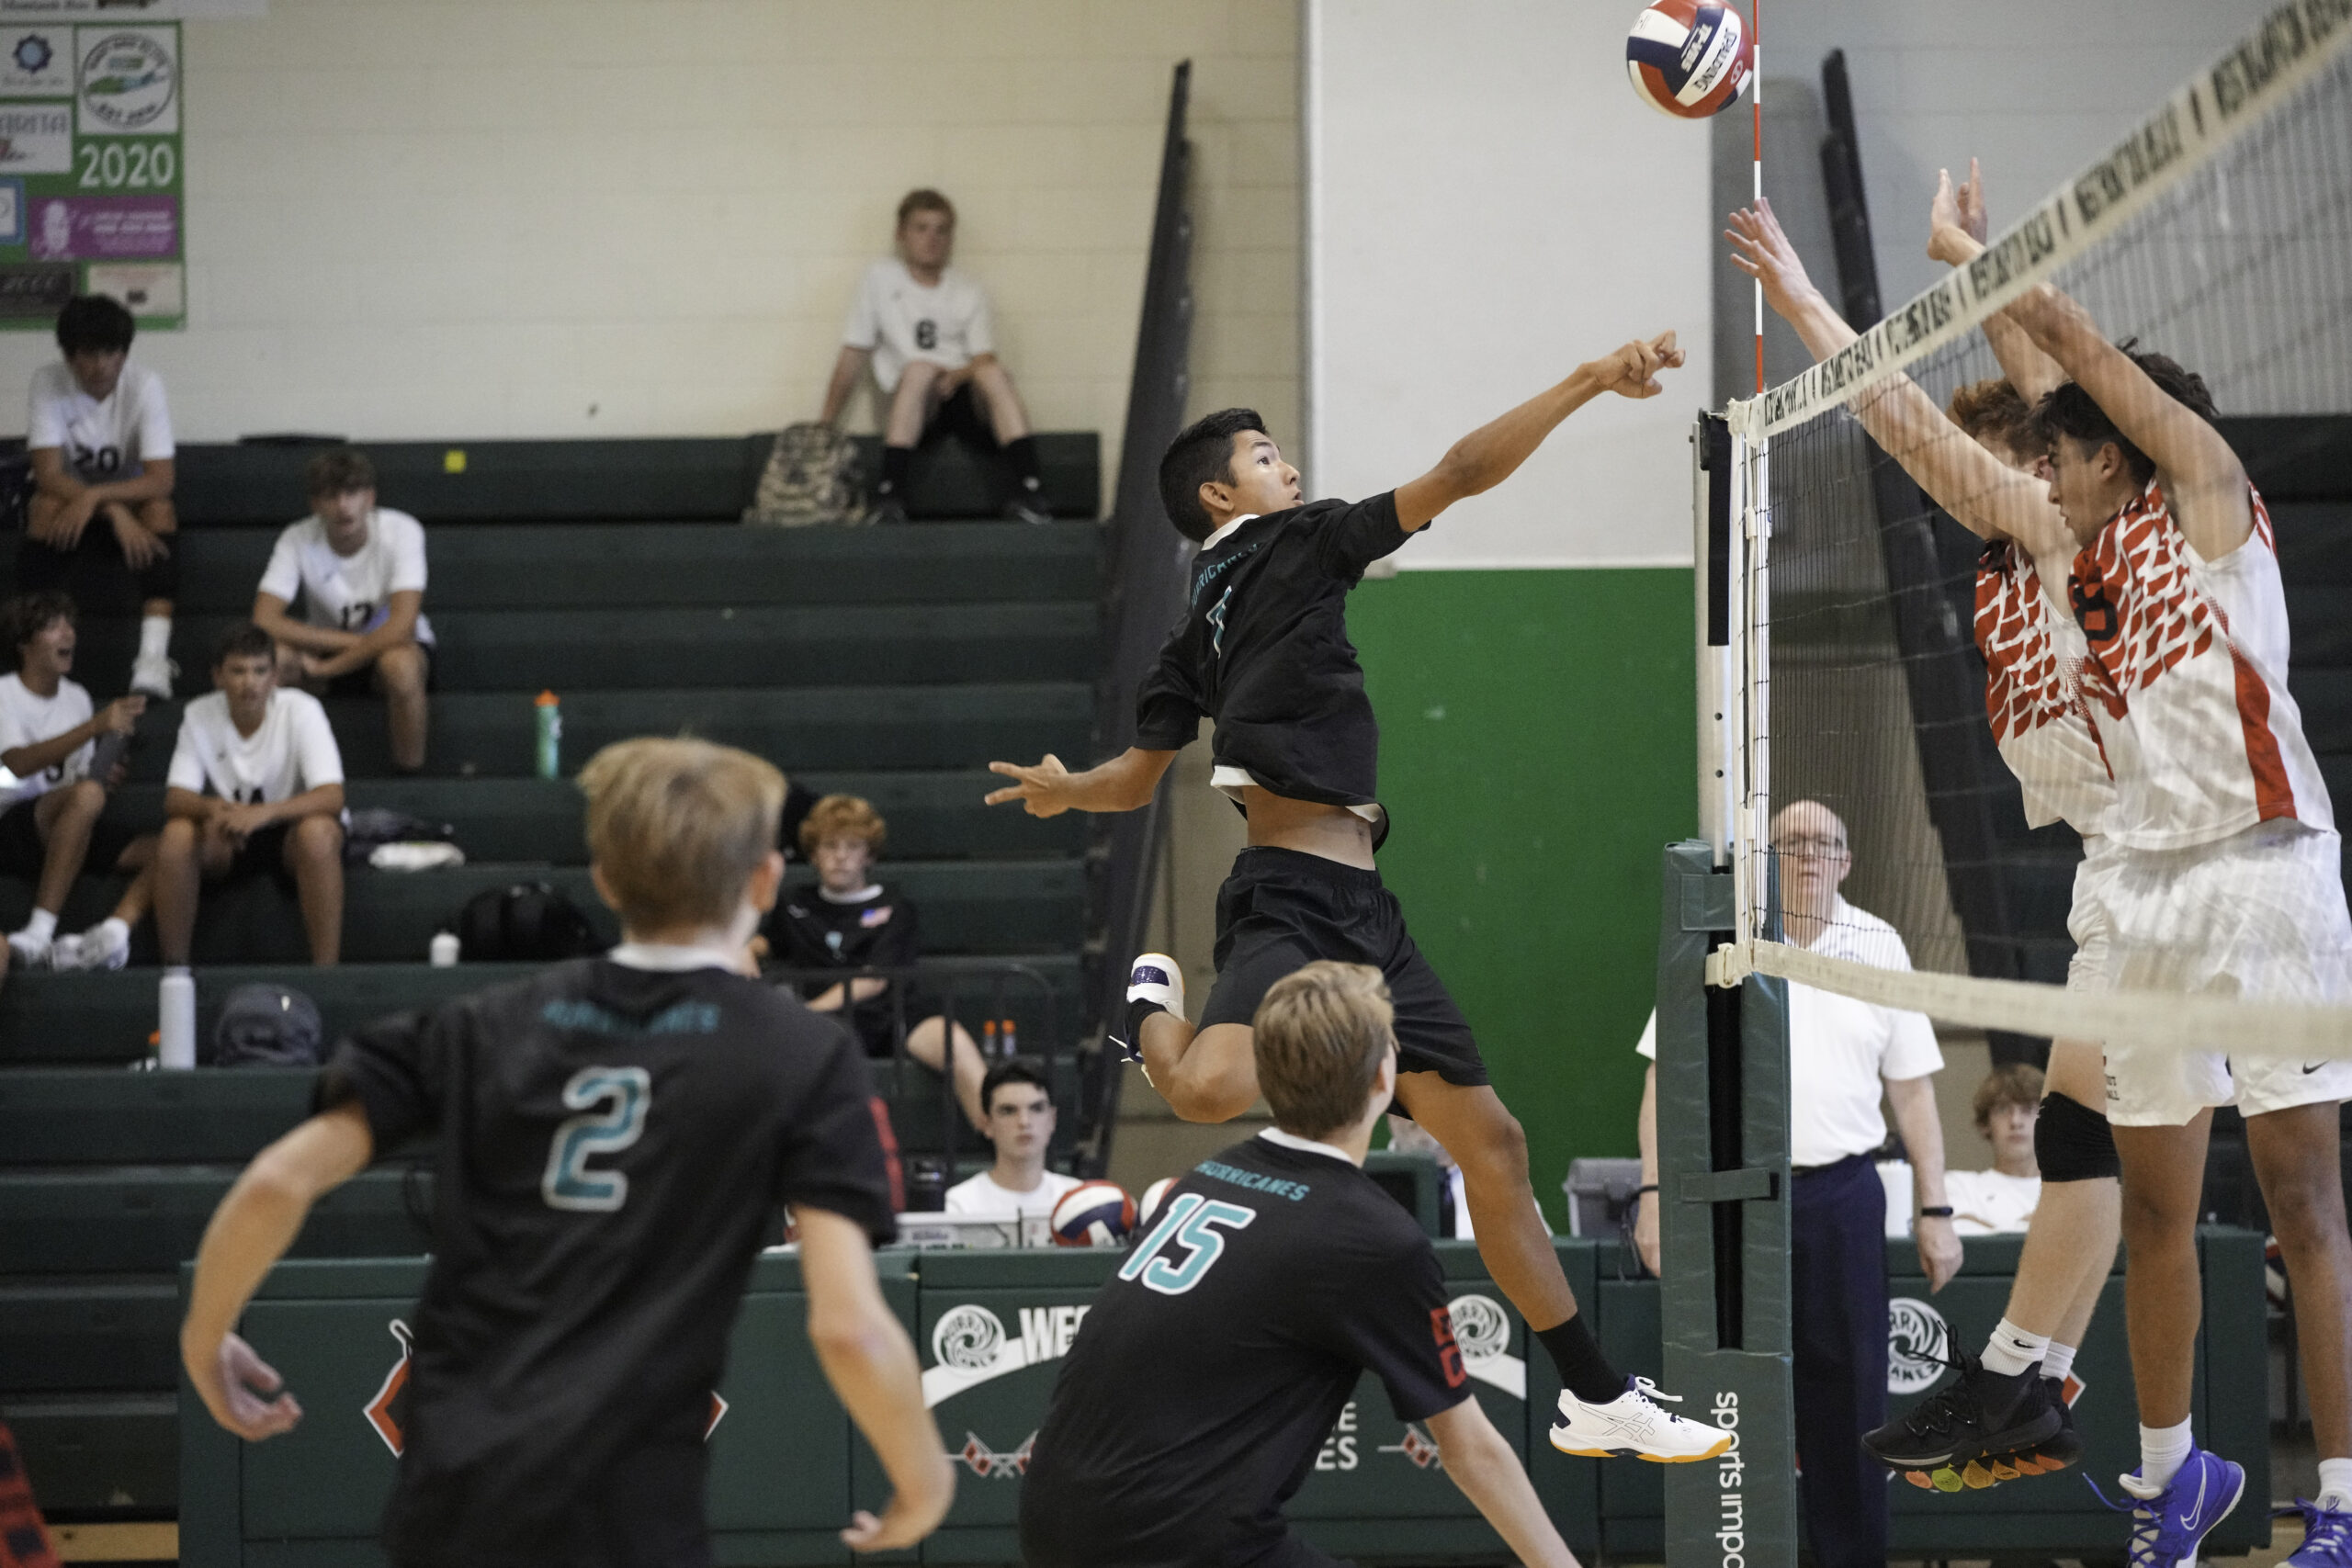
569, 1183
1189, 1222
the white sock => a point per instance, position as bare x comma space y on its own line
121, 932
2163, 1451
2012, 1350
2058, 1361
154, 637
2334, 1485
41, 926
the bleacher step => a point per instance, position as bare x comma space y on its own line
88, 1334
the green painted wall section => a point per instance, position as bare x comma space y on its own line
1537, 750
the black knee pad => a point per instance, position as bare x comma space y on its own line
2073, 1142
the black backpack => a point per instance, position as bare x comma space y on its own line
267, 1026
529, 922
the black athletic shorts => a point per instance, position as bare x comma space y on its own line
1281, 909
960, 414
361, 683
22, 853
263, 853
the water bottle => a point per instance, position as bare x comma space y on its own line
550, 742
444, 950
175, 1020
1007, 1044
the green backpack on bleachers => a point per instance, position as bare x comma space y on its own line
811, 477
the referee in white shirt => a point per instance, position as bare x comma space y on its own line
1842, 1055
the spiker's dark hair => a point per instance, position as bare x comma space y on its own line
2067, 410
1204, 452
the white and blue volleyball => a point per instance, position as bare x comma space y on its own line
1689, 58
1094, 1214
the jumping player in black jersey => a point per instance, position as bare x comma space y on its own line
1263, 651
615, 1135
1209, 1371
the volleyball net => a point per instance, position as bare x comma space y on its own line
1843, 664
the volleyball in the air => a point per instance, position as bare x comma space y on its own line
1689, 58
1153, 1195
1094, 1214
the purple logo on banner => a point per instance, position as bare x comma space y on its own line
99, 228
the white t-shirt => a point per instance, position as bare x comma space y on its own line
1984, 1203
293, 750
982, 1198
1841, 1050
27, 719
350, 592
102, 441
947, 324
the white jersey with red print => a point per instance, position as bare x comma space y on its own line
2033, 695
2188, 681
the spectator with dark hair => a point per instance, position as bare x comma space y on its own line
1018, 1117
927, 329
268, 760
100, 440
850, 921
358, 570
52, 823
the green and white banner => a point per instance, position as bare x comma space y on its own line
91, 176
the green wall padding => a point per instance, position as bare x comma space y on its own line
1537, 748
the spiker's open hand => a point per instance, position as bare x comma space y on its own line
1760, 248
1632, 371
1042, 790
1957, 211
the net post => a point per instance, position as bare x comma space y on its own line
1716, 585
1723, 1103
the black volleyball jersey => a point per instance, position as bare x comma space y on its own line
1263, 651
809, 930
614, 1142
1211, 1369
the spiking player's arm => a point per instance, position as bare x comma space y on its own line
249, 1232
871, 1365
1126, 783
1490, 1475
2203, 476
1493, 452
1984, 495
1956, 230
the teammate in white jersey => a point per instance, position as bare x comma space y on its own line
101, 518
2004, 1415
255, 785
52, 821
927, 328
358, 570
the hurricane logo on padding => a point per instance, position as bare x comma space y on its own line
1479, 1327
1919, 1345
968, 1339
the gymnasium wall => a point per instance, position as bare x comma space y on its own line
1489, 205
527, 218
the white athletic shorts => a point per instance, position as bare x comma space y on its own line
2086, 916
2259, 915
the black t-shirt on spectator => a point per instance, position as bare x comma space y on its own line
614, 1142
1210, 1370
809, 930
1263, 651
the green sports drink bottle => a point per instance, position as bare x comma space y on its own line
550, 739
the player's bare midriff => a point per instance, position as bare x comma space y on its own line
1310, 827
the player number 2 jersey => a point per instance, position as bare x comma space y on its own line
2188, 681
2033, 695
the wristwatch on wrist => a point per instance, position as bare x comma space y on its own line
1936, 1212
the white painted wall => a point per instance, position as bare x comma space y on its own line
1488, 206
568, 217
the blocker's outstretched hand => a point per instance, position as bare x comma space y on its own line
1042, 790
1632, 371
1761, 250
1956, 215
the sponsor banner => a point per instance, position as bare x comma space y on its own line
31, 293
149, 288
129, 80
1482, 1329
87, 228
130, 11
36, 139
969, 1347
36, 63
1919, 1345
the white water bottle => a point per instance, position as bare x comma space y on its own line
175, 1020
444, 950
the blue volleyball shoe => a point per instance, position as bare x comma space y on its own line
2327, 1536
2169, 1522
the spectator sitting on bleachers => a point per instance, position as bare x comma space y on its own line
52, 823
1020, 1118
275, 776
849, 922
1986, 1202
359, 572
100, 441
927, 328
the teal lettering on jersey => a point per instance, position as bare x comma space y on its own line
1293, 1191
686, 1017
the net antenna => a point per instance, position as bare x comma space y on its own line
2215, 231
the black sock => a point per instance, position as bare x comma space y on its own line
1584, 1370
895, 463
1137, 1010
1023, 452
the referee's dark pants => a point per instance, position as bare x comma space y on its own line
1838, 1331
